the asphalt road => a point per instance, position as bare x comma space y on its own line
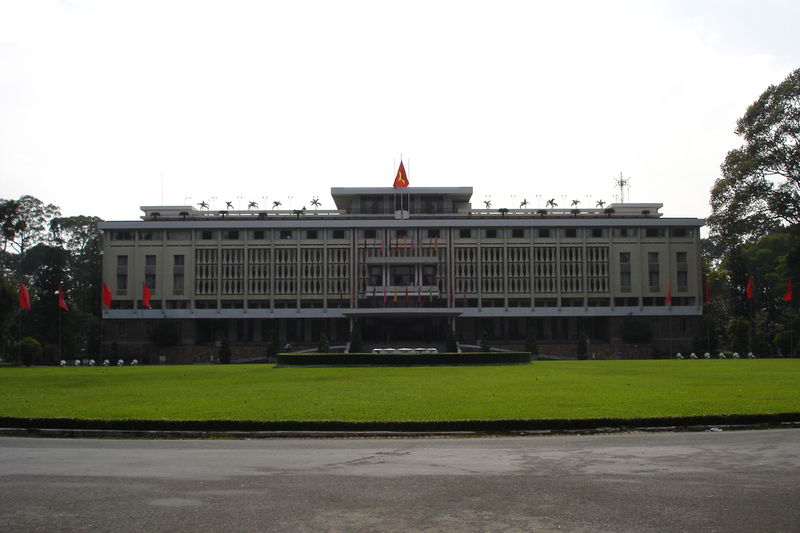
746, 481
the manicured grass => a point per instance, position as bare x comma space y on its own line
542, 390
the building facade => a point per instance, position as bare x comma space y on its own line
406, 264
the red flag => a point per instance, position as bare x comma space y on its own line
106, 296
668, 301
708, 291
146, 296
24, 297
401, 179
788, 296
61, 303
748, 293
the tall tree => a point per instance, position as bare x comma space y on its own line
25, 222
760, 185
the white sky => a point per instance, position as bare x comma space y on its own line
103, 101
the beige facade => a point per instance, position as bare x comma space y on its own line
399, 263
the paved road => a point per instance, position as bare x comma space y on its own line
745, 481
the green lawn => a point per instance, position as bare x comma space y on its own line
542, 390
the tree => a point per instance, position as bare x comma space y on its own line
759, 190
450, 343
30, 349
8, 309
25, 222
355, 339
324, 345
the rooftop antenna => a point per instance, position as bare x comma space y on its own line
622, 182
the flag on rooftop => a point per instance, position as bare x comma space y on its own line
401, 179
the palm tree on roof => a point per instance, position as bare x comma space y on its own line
315, 202
276, 204
487, 203
228, 205
551, 203
575, 203
600, 204
203, 205
252, 205
524, 203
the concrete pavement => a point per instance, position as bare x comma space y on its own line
717, 481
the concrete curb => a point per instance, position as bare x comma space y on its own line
182, 434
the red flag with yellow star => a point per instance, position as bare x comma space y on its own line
401, 179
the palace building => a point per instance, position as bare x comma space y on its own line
406, 264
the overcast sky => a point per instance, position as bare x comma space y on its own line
106, 105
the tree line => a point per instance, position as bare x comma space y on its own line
755, 229
754, 239
47, 253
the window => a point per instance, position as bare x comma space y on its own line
402, 275
231, 235
625, 232
122, 274
369, 233
177, 274
339, 234
149, 235
206, 235
121, 235
150, 271
465, 233
120, 329
179, 235
598, 233
682, 271
286, 234
433, 233
122, 284
428, 275
681, 232
491, 233
625, 271
545, 233
400, 233
653, 270
571, 233
376, 275
654, 232
311, 234
257, 235
517, 233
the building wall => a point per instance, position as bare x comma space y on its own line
322, 271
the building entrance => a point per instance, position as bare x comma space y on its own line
419, 329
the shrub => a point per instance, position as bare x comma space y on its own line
324, 346
29, 349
